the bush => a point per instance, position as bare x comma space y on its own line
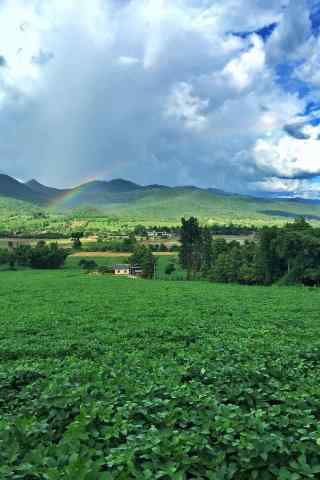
170, 268
104, 269
45, 256
87, 264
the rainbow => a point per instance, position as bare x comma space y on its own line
71, 195
64, 199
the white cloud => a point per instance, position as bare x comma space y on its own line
309, 70
242, 71
289, 157
185, 106
287, 187
312, 132
135, 86
20, 39
238, 15
123, 60
289, 42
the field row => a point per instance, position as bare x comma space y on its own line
106, 378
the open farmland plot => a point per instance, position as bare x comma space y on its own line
109, 259
107, 378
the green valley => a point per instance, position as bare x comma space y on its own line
99, 207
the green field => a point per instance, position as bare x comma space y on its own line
106, 378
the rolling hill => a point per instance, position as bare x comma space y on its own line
12, 188
157, 202
46, 193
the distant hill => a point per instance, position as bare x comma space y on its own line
158, 202
44, 191
9, 187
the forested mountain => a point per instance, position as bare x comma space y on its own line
45, 192
10, 187
125, 198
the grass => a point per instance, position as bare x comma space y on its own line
107, 378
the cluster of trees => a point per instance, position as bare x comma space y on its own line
76, 240
144, 257
126, 245
287, 255
30, 236
162, 247
88, 264
41, 256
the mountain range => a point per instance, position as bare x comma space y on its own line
126, 198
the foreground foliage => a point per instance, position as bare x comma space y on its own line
108, 378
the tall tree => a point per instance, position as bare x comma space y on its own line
76, 242
129, 244
206, 251
190, 238
270, 267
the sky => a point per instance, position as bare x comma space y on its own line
213, 93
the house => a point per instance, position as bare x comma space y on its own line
121, 269
153, 234
126, 270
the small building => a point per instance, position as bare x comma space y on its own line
127, 270
154, 234
121, 269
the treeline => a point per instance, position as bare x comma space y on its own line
126, 245
31, 236
286, 255
232, 229
144, 231
215, 229
41, 256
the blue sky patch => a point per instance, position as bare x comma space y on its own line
263, 32
286, 79
315, 17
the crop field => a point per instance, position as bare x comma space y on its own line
108, 378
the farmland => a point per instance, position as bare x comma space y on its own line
106, 378
109, 258
162, 209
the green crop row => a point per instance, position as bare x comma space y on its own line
106, 378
